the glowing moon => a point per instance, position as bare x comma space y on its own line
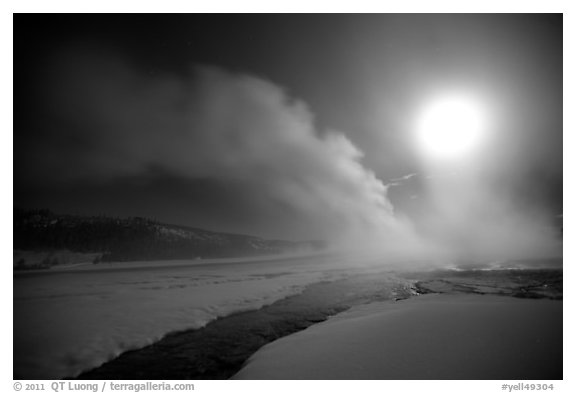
450, 127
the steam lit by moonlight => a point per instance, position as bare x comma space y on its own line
450, 127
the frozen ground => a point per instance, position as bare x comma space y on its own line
69, 321
73, 319
435, 336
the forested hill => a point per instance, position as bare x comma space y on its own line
128, 239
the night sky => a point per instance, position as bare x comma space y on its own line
285, 126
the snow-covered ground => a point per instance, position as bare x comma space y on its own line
427, 337
68, 321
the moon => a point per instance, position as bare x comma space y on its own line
450, 127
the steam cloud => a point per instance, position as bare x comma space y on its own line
213, 124
478, 221
249, 133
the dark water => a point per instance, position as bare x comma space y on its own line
219, 350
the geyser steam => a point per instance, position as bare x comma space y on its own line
242, 131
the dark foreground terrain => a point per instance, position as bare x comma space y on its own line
220, 349
529, 283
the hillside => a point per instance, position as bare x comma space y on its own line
135, 238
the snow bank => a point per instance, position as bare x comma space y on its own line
66, 322
428, 337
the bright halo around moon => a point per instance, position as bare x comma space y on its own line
450, 127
